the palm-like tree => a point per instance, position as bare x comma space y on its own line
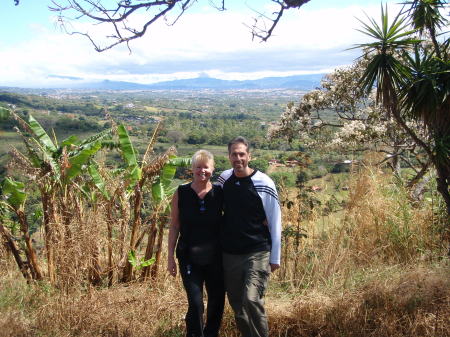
412, 77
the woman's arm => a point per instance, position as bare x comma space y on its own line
174, 231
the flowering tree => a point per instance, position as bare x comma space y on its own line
351, 120
409, 67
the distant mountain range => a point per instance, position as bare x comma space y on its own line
297, 82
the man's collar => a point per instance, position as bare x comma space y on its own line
250, 172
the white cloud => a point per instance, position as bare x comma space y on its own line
216, 43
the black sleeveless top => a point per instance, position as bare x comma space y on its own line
200, 221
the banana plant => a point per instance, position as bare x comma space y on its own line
160, 172
10, 241
129, 154
162, 191
139, 263
15, 196
56, 168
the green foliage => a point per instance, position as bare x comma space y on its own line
161, 188
302, 177
139, 263
259, 164
81, 158
4, 113
385, 66
129, 155
98, 180
340, 167
14, 192
412, 77
283, 179
41, 135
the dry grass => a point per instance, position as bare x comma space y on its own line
379, 270
378, 226
402, 301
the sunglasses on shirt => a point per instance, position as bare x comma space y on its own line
202, 206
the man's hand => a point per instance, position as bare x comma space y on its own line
274, 267
172, 266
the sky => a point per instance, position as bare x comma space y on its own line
35, 52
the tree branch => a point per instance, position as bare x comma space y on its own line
123, 12
263, 33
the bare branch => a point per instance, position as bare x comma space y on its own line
263, 33
122, 12
220, 7
184, 6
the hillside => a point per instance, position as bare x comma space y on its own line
297, 82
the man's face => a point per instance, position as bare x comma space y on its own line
239, 158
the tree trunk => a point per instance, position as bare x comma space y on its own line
149, 250
419, 175
110, 244
443, 181
154, 271
31, 254
95, 269
417, 190
123, 225
9, 243
128, 270
48, 209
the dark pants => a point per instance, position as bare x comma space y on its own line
246, 279
194, 277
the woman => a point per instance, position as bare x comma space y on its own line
195, 218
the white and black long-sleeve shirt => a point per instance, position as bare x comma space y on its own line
249, 203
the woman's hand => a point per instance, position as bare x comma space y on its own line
171, 266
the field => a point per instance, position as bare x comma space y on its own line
378, 269
359, 257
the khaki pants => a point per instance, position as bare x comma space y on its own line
246, 279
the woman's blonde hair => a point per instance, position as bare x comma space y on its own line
202, 156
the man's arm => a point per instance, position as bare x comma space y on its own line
269, 196
273, 213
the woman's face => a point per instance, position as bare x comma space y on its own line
202, 170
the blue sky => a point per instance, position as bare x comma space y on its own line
35, 53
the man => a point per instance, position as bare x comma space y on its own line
250, 238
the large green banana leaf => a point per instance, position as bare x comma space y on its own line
41, 135
47, 157
14, 192
128, 152
161, 188
33, 156
129, 155
71, 140
98, 180
80, 159
102, 135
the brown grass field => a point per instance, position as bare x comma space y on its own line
378, 269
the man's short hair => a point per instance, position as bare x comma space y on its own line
239, 140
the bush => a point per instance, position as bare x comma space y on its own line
283, 178
318, 171
259, 164
302, 177
340, 167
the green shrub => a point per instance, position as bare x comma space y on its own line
283, 178
259, 164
